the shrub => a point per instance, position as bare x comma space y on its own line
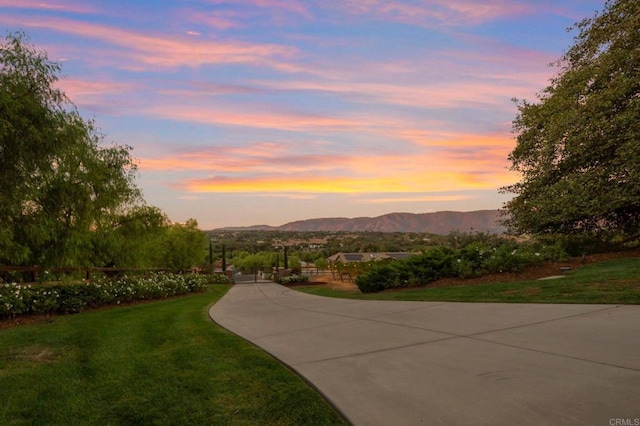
218, 279
375, 279
417, 270
504, 258
430, 265
464, 268
293, 279
472, 258
513, 257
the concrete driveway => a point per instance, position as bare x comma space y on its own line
435, 363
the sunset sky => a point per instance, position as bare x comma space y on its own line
246, 112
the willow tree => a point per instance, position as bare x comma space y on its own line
578, 146
57, 179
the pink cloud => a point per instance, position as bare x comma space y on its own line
102, 96
437, 95
198, 89
56, 6
219, 20
292, 6
167, 51
474, 12
447, 79
430, 13
255, 158
291, 121
78, 90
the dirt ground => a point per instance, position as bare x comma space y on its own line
327, 281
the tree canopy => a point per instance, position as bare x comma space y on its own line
578, 146
66, 198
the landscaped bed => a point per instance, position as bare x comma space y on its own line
600, 278
46, 299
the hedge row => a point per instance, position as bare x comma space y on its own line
293, 279
16, 299
475, 259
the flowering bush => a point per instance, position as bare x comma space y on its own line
293, 279
16, 299
218, 279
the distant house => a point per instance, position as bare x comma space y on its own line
365, 257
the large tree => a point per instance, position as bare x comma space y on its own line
578, 146
57, 180
182, 246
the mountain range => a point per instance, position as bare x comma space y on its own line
440, 223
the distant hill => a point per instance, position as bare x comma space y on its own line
440, 223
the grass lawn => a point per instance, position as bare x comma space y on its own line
615, 281
161, 363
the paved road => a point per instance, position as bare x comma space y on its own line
433, 363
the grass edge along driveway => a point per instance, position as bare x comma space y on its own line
158, 363
611, 282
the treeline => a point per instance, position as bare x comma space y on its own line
308, 246
66, 197
265, 261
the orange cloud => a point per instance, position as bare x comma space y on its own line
444, 138
452, 162
294, 184
354, 174
426, 181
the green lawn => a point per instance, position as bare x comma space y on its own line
162, 363
615, 281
